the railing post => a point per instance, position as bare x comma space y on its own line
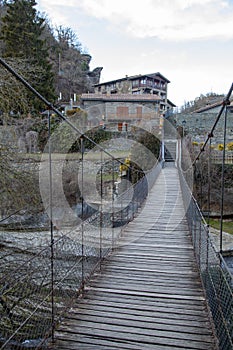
194, 230
201, 179
51, 230
101, 206
207, 258
223, 178
209, 180
200, 244
113, 198
82, 211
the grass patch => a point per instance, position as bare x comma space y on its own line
227, 225
74, 156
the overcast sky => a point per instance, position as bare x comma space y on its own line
190, 42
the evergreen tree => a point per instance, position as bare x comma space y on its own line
22, 36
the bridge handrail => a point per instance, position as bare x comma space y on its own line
216, 278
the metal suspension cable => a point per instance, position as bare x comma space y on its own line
225, 102
10, 215
53, 108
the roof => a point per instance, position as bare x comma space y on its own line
120, 97
169, 102
152, 75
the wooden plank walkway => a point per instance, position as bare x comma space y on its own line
148, 294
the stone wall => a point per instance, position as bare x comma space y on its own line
133, 111
8, 136
129, 112
199, 124
19, 139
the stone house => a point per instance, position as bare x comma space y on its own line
154, 84
129, 100
121, 110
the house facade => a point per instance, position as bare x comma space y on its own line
153, 84
122, 110
129, 100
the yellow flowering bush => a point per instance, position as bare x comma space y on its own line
220, 147
230, 146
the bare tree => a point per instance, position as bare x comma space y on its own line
67, 37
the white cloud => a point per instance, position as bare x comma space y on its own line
193, 66
165, 19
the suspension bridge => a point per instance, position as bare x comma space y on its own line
148, 293
142, 274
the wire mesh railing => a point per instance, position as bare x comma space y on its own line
37, 286
45, 261
212, 185
61, 212
216, 278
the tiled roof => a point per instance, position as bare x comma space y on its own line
120, 97
151, 75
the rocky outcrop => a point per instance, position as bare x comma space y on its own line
94, 77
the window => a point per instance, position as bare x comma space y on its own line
156, 84
122, 111
135, 83
139, 112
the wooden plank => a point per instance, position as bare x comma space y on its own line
166, 315
154, 271
135, 288
147, 294
155, 319
149, 303
162, 283
139, 335
102, 343
148, 325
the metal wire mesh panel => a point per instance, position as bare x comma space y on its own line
216, 277
60, 216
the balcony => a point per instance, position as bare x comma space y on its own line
148, 85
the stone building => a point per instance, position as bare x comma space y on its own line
121, 110
154, 84
129, 100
